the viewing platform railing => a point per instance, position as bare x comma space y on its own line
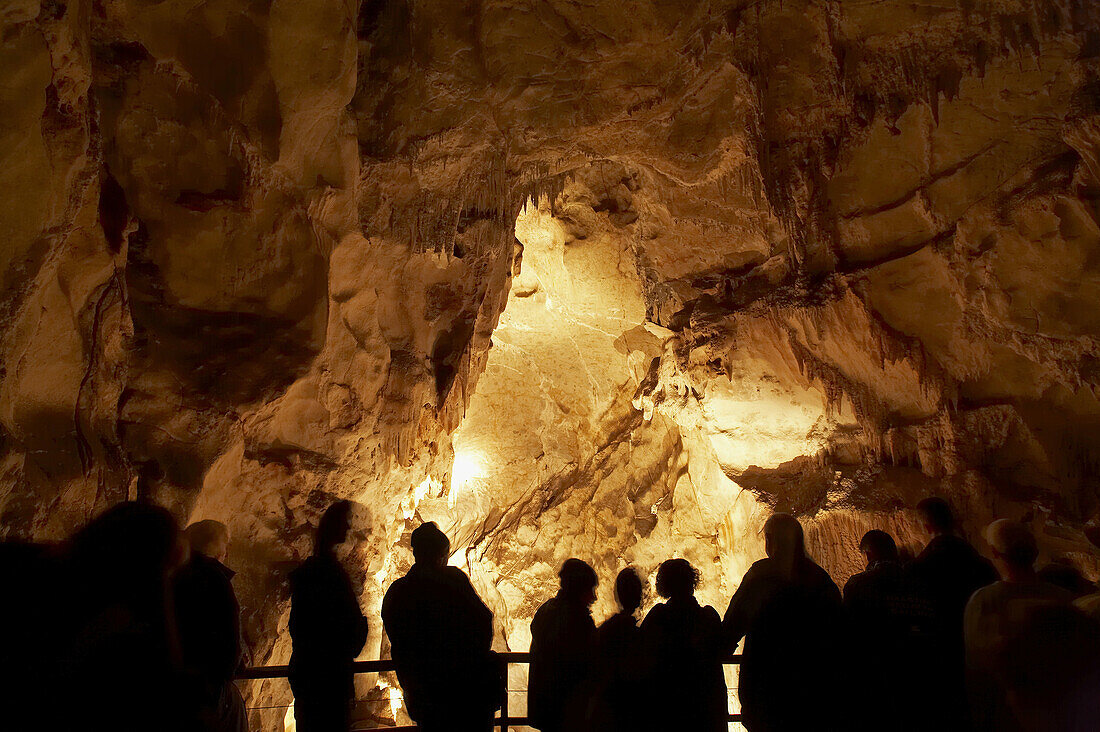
503, 722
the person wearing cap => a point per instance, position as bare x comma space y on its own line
563, 644
441, 635
994, 618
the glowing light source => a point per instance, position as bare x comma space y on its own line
467, 468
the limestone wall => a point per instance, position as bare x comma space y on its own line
601, 279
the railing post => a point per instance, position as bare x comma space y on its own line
504, 659
504, 698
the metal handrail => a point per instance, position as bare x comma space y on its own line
504, 721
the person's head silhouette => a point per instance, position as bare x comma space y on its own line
578, 582
783, 540
628, 589
1014, 548
878, 546
1061, 572
333, 528
430, 545
676, 579
210, 538
128, 551
937, 517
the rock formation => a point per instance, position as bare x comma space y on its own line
595, 278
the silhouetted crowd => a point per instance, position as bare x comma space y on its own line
130, 625
134, 625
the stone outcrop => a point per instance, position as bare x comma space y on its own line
601, 279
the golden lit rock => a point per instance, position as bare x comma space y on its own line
606, 280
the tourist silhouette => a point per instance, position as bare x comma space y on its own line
327, 629
208, 618
563, 638
789, 612
619, 675
1062, 572
997, 651
1049, 671
947, 572
683, 648
1090, 603
441, 635
122, 656
32, 612
890, 623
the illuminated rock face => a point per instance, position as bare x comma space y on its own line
611, 280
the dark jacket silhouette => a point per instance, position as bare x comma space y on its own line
619, 676
563, 639
1030, 655
789, 612
948, 572
208, 618
122, 655
35, 598
328, 631
683, 647
440, 636
618, 693
890, 627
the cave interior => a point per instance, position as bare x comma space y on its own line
596, 279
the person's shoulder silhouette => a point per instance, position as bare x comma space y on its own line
889, 625
563, 637
440, 635
882, 591
683, 650
1062, 572
123, 652
206, 606
789, 612
327, 629
618, 692
1000, 645
617, 636
949, 565
208, 617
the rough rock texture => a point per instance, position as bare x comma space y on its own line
571, 278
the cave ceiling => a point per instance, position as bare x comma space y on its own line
571, 278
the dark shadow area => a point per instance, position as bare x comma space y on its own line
441, 635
